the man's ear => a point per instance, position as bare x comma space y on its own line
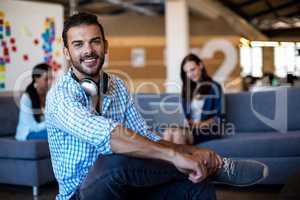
105, 46
67, 54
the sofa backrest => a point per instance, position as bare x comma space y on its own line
9, 113
274, 110
293, 108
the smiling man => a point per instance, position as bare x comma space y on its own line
101, 147
86, 50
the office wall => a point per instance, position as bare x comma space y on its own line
126, 33
132, 24
152, 75
130, 31
29, 34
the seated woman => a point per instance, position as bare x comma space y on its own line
31, 125
202, 100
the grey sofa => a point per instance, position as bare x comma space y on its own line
255, 135
21, 162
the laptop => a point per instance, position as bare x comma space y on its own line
168, 114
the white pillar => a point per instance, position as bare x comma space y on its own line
177, 41
73, 7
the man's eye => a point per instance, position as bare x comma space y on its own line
97, 41
77, 45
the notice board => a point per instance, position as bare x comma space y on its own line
30, 33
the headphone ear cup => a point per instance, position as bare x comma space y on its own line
90, 87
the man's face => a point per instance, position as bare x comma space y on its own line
86, 50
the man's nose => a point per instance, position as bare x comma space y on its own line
88, 49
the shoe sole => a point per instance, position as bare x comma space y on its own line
265, 175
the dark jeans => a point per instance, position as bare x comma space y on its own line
119, 177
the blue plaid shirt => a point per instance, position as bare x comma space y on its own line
77, 135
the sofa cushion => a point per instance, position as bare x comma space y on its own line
34, 149
26, 172
9, 113
257, 145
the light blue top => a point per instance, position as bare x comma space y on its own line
77, 134
196, 108
27, 122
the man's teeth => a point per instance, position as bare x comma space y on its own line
90, 60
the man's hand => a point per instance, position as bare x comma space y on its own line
198, 163
191, 165
212, 161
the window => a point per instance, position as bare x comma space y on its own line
285, 59
297, 59
251, 61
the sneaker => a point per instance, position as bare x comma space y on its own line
241, 173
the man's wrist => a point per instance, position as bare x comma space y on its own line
172, 150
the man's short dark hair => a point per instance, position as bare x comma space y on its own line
80, 19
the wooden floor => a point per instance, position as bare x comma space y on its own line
48, 192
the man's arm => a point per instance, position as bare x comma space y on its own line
125, 141
184, 137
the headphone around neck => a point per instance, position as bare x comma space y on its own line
90, 87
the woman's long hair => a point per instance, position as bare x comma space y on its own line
189, 86
37, 72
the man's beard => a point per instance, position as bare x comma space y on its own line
79, 67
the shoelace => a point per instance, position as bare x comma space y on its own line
228, 166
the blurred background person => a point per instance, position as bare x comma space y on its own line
202, 101
31, 125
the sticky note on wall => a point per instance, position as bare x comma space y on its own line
2, 86
2, 69
2, 77
26, 32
